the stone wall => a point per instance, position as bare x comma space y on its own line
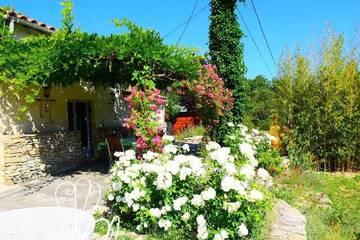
29, 156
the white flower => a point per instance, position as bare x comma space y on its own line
179, 202
221, 235
247, 150
242, 230
230, 168
228, 183
173, 167
208, 194
124, 178
185, 217
111, 197
170, 148
165, 209
221, 155
116, 186
232, 206
211, 146
156, 212
163, 180
184, 172
263, 174
186, 148
138, 228
243, 129
200, 220
197, 200
135, 207
165, 224
181, 158
119, 154
255, 195
202, 232
118, 199
255, 132
230, 124
149, 155
168, 138
248, 171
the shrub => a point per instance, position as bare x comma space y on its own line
222, 195
269, 158
212, 100
319, 105
144, 120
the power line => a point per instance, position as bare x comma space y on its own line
253, 40
263, 33
182, 24
188, 22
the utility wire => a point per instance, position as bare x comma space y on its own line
182, 24
188, 22
253, 40
263, 33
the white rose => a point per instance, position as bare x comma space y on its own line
221, 235
170, 148
179, 202
230, 124
242, 230
255, 195
208, 194
186, 148
185, 217
197, 201
111, 197
156, 212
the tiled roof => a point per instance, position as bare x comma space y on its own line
31, 21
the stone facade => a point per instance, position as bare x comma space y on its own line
29, 156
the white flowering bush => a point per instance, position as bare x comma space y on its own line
221, 195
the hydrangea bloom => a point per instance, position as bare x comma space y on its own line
170, 148
165, 224
202, 232
179, 202
255, 195
222, 235
211, 146
242, 230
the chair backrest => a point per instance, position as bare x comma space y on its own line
114, 144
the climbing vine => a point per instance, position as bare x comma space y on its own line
70, 55
226, 52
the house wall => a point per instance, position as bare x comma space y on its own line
38, 142
29, 156
20, 31
51, 115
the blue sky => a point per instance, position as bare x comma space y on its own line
286, 23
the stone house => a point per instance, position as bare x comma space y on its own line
60, 131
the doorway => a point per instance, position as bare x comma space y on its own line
79, 117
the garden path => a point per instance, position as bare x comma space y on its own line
288, 223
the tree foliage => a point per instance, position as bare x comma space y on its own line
226, 52
69, 55
261, 103
319, 104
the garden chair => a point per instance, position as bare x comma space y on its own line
114, 144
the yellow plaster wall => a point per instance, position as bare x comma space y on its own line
52, 116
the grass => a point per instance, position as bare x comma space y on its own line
335, 220
190, 132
